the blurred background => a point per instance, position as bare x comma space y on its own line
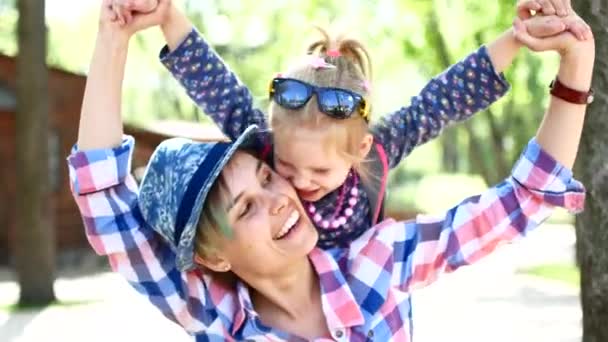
528, 292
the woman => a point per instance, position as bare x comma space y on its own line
222, 246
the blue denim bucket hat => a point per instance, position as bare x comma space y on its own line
176, 183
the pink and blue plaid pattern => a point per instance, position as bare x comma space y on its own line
365, 288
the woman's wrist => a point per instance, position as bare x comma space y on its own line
113, 37
576, 65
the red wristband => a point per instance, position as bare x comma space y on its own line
558, 89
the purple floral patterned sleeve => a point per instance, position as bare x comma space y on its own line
213, 86
467, 87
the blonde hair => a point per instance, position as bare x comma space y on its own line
351, 69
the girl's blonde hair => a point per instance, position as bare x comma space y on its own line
350, 68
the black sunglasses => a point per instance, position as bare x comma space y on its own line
336, 102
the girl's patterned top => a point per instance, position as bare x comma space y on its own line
365, 288
465, 88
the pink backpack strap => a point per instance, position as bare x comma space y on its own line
382, 188
266, 151
375, 185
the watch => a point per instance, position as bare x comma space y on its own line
558, 89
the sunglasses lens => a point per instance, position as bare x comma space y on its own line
291, 94
336, 103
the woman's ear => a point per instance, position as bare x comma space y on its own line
366, 145
214, 263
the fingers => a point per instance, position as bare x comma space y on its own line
547, 7
123, 10
579, 28
520, 32
143, 6
559, 42
107, 12
525, 8
523, 36
560, 8
568, 6
541, 27
118, 11
153, 18
128, 16
123, 3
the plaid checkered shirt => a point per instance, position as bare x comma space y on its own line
365, 288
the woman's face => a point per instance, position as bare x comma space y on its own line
271, 230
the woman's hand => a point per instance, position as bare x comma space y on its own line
561, 128
125, 9
529, 8
113, 19
533, 33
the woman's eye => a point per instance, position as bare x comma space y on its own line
267, 178
321, 171
245, 210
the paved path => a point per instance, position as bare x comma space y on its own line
486, 302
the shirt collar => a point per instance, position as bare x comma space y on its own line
340, 307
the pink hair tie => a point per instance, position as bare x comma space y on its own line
333, 53
318, 62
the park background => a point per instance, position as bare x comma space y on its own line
528, 292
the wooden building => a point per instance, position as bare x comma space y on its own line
65, 97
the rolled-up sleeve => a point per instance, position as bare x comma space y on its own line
107, 197
435, 244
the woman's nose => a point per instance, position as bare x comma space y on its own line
278, 204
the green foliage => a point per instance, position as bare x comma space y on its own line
435, 193
565, 273
410, 41
8, 27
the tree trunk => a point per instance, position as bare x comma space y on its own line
592, 169
34, 238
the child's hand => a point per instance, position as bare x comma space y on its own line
535, 33
141, 6
561, 8
126, 9
129, 20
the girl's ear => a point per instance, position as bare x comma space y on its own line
366, 145
214, 263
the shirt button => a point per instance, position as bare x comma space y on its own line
370, 334
339, 333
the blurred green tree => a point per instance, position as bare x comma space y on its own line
410, 42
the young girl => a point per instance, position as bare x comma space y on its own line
322, 140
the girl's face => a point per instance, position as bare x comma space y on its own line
271, 230
313, 168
